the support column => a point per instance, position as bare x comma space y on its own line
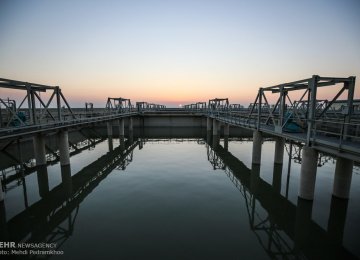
226, 136
342, 179
39, 149
41, 171
308, 173
121, 128
110, 143
63, 139
257, 144
215, 127
254, 178
215, 142
226, 130
226, 143
288, 171
141, 143
208, 137
302, 223
66, 180
43, 180
216, 139
121, 134
109, 128
208, 125
110, 135
337, 219
277, 176
122, 144
130, 124
254, 186
279, 150
131, 130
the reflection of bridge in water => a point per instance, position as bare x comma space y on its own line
284, 230
26, 166
52, 218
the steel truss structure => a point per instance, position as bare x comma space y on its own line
118, 105
308, 112
271, 238
236, 107
145, 106
89, 107
196, 106
218, 104
25, 168
294, 151
31, 115
331, 126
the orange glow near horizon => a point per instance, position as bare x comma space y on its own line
173, 94
179, 91
182, 91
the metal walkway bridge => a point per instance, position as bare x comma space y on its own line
331, 126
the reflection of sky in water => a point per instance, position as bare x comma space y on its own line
170, 202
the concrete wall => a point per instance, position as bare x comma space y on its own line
174, 121
160, 125
155, 126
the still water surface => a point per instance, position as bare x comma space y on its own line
182, 199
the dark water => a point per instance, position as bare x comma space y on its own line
181, 199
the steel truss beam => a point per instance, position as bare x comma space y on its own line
118, 105
306, 112
145, 106
218, 104
32, 115
196, 106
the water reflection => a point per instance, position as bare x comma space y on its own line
337, 218
52, 218
3, 225
282, 229
66, 180
285, 230
277, 176
43, 180
15, 166
110, 143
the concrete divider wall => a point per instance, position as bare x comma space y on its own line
148, 126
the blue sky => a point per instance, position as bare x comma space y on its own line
176, 51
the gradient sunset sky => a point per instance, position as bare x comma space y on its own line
176, 52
